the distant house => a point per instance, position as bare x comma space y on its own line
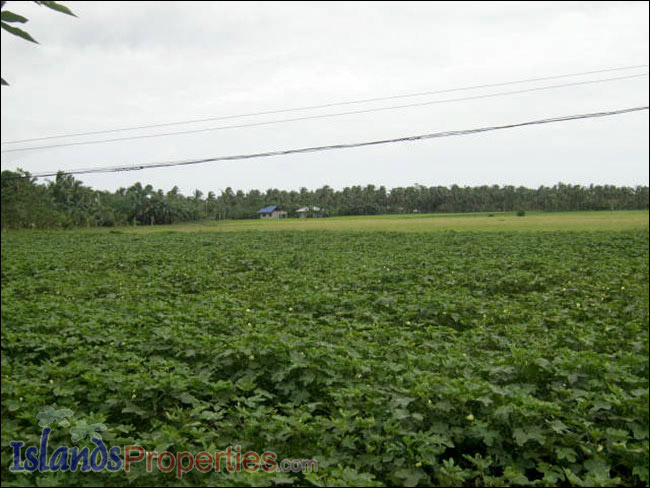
309, 212
272, 212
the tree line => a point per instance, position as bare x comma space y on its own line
65, 202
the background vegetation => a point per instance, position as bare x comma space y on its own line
65, 202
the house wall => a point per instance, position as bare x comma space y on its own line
277, 214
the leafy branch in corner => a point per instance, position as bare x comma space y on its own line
7, 18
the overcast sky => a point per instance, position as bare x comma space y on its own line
123, 64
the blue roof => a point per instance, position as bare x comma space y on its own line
268, 209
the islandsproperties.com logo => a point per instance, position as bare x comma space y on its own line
103, 458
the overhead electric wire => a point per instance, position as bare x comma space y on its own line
327, 105
115, 169
321, 116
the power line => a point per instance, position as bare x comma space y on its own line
338, 114
327, 105
115, 169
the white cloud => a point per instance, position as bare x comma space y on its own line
133, 63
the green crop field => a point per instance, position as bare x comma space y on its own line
479, 355
534, 221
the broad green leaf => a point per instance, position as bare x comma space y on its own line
566, 453
530, 433
49, 415
410, 476
82, 430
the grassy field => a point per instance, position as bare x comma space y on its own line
535, 221
490, 357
